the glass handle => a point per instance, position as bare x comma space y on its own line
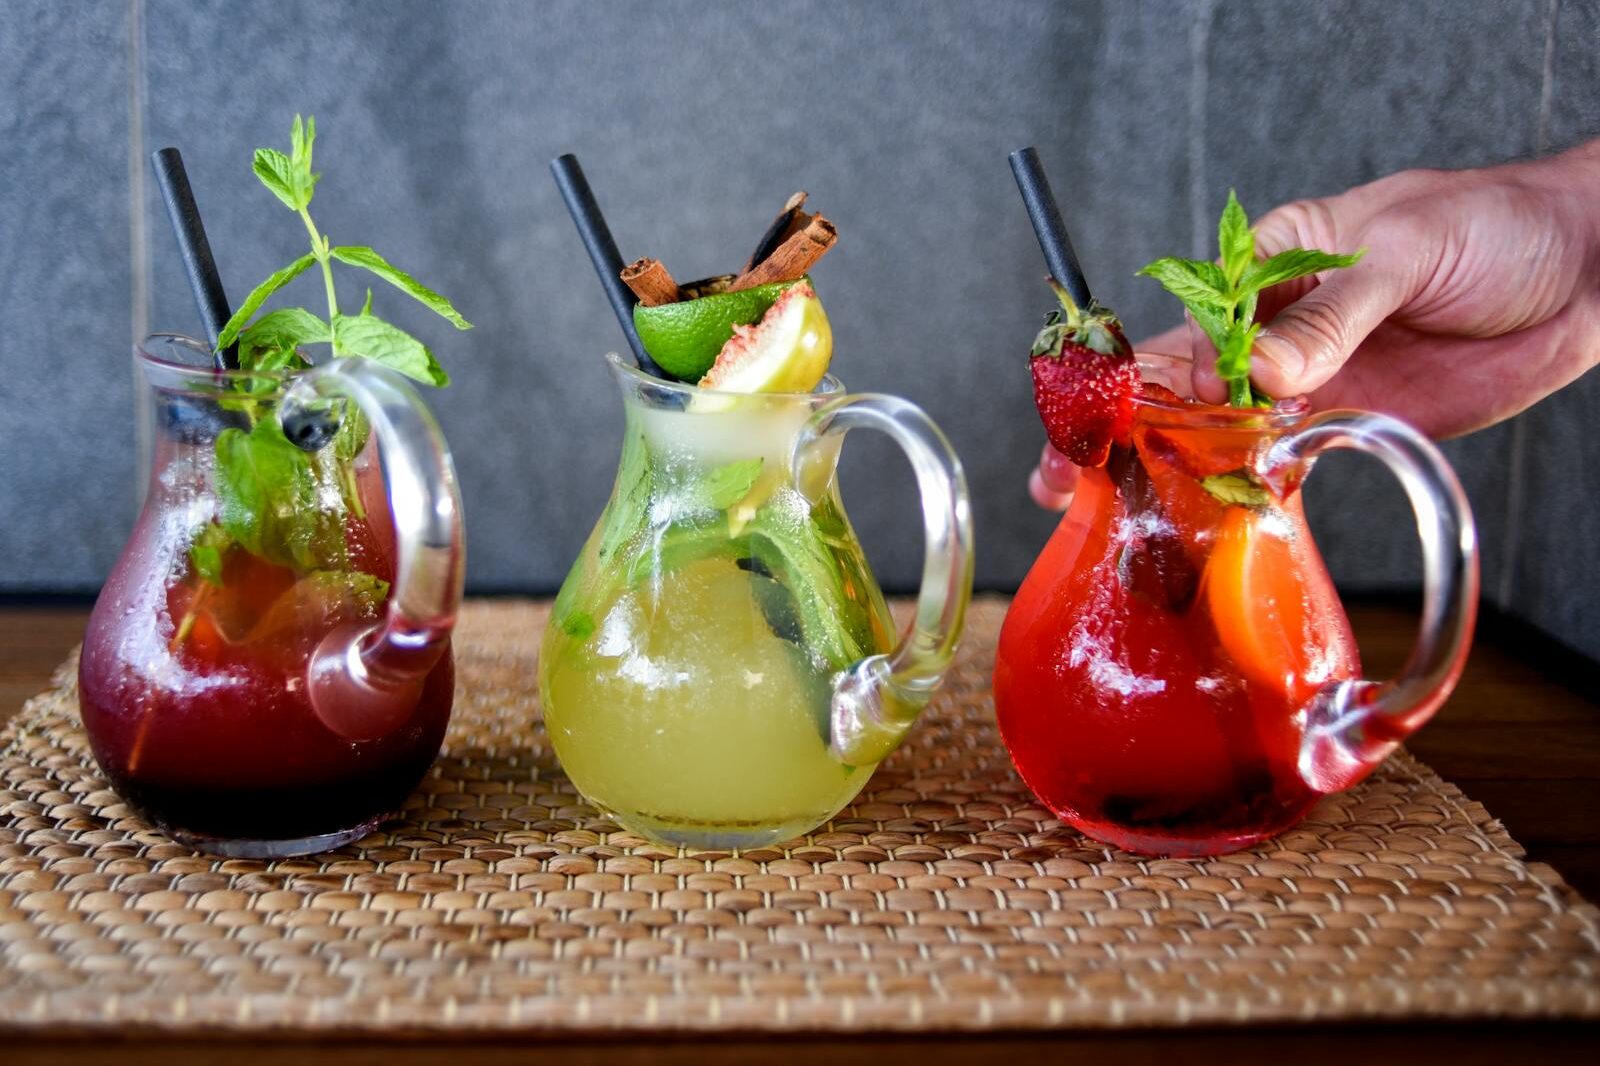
1353, 725
877, 699
365, 680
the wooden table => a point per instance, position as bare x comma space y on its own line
1521, 735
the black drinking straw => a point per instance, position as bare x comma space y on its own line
196, 252
602, 252
1047, 224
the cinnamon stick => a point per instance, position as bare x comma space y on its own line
789, 221
651, 282
792, 258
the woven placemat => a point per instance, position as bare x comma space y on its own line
944, 897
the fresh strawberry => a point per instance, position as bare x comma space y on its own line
1084, 380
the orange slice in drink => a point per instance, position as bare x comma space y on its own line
1254, 590
205, 640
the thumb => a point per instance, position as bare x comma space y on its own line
1317, 322
1310, 340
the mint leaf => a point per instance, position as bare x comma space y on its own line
267, 361
795, 552
289, 177
259, 295
367, 259
1190, 280
1201, 286
274, 500
270, 341
324, 592
301, 138
1223, 299
1294, 263
629, 508
206, 551
269, 500
1235, 240
1233, 354
1213, 320
728, 484
352, 435
564, 613
1238, 487
390, 345
578, 625
276, 172
1246, 311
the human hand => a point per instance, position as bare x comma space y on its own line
1478, 296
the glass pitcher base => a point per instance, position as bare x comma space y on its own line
1183, 844
235, 848
712, 837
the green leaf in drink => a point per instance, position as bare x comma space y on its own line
274, 500
206, 551
727, 485
268, 500
1239, 487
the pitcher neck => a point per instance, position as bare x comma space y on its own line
681, 423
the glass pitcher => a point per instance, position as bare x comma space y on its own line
1176, 675
720, 669
267, 670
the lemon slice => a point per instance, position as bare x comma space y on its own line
787, 351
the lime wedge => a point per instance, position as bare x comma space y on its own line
787, 351
685, 337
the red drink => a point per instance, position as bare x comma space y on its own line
194, 692
1156, 665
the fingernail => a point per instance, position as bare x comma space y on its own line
1044, 497
1057, 471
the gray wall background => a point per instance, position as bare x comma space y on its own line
694, 122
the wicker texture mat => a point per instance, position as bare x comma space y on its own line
944, 897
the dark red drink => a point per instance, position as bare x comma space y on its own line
194, 690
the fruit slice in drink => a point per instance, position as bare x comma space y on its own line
685, 337
788, 351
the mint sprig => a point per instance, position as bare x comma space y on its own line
272, 497
274, 340
1222, 298
269, 500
